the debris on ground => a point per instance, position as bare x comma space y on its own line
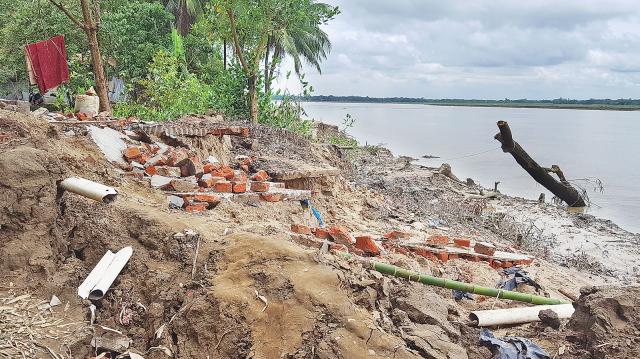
512, 347
248, 276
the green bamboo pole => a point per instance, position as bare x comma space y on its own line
461, 286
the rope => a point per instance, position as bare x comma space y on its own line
469, 155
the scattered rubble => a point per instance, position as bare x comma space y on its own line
249, 276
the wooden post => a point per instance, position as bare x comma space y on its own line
562, 189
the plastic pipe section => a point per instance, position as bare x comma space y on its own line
89, 189
97, 283
489, 318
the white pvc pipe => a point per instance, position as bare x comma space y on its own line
488, 318
89, 189
97, 283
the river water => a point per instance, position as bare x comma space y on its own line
584, 143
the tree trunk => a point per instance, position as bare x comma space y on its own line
266, 67
253, 97
91, 30
272, 70
184, 20
224, 53
562, 190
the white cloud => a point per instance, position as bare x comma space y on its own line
483, 49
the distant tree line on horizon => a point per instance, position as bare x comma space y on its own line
421, 100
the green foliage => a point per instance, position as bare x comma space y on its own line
288, 112
296, 32
203, 49
228, 87
168, 92
132, 33
343, 138
25, 22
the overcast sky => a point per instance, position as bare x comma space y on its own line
482, 49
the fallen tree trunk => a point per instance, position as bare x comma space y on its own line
561, 189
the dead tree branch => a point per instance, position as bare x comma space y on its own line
562, 189
69, 15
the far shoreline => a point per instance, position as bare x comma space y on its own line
592, 107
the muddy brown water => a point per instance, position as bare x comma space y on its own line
585, 144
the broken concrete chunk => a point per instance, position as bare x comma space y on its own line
111, 341
485, 248
175, 202
162, 182
110, 142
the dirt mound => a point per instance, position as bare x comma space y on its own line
607, 320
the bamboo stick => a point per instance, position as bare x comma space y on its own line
461, 286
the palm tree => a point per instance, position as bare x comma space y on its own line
185, 12
306, 41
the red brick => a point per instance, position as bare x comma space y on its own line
131, 153
209, 181
225, 171
223, 186
321, 233
462, 242
443, 256
423, 252
144, 158
210, 167
300, 228
196, 208
151, 170
244, 132
439, 240
397, 235
260, 176
245, 168
239, 176
260, 186
453, 256
239, 187
207, 197
484, 248
495, 264
507, 264
367, 245
177, 155
271, 197
341, 235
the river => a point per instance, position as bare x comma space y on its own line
584, 143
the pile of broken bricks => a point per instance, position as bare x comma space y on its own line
436, 247
197, 185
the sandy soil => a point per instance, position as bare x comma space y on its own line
256, 291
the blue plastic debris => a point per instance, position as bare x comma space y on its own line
459, 295
511, 347
517, 276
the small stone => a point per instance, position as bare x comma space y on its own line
549, 318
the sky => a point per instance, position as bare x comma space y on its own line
485, 49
